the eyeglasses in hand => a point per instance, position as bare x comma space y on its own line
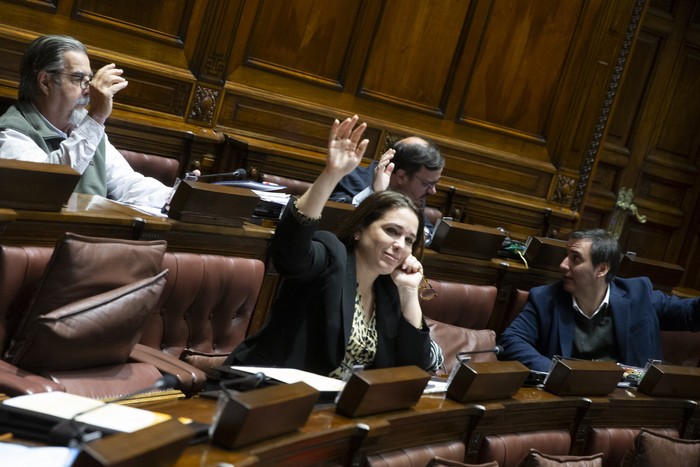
426, 291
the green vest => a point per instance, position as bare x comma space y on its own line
24, 118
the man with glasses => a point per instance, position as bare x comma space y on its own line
411, 166
52, 123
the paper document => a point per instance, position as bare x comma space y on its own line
278, 198
291, 375
62, 405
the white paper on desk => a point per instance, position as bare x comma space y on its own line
292, 375
66, 406
16, 455
436, 386
278, 198
151, 211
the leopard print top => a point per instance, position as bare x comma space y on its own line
362, 346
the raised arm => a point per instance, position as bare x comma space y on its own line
345, 151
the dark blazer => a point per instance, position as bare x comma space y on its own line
311, 319
545, 327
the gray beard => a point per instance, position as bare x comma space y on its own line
79, 112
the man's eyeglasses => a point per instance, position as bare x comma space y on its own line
84, 80
428, 185
426, 291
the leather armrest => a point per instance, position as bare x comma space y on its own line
192, 379
16, 382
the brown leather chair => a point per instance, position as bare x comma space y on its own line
458, 317
681, 347
206, 307
616, 442
516, 302
292, 186
418, 456
164, 169
204, 312
465, 305
510, 449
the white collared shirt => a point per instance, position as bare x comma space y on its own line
603, 305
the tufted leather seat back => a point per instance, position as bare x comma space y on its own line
21, 267
202, 315
465, 305
206, 307
164, 169
616, 442
510, 449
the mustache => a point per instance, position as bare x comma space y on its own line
82, 101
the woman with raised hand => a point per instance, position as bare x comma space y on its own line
350, 299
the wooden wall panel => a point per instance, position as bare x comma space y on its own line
309, 40
522, 57
161, 20
653, 143
518, 95
490, 82
414, 53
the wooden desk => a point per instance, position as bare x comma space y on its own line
530, 410
331, 439
248, 241
6, 216
433, 420
86, 215
628, 408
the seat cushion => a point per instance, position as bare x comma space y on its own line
655, 449
537, 459
98, 330
82, 267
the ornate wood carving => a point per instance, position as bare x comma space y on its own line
564, 191
594, 144
204, 104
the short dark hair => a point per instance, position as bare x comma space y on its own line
604, 249
411, 155
45, 53
372, 208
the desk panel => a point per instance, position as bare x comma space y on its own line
331, 439
85, 215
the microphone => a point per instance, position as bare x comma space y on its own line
242, 383
70, 433
236, 174
495, 350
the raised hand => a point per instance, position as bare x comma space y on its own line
104, 85
345, 149
383, 171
